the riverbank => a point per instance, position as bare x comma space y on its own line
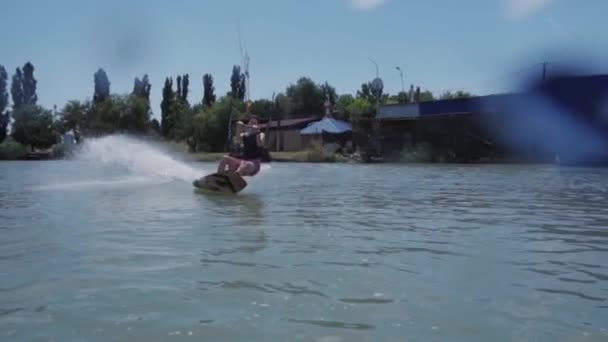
12, 150
291, 157
422, 154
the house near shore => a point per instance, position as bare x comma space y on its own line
298, 134
284, 135
328, 130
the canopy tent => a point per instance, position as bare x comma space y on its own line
327, 125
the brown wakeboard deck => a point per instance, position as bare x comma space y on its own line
222, 182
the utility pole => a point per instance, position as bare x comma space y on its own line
229, 137
544, 71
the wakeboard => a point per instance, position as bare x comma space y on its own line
221, 182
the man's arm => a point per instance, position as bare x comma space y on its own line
251, 129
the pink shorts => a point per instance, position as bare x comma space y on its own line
253, 166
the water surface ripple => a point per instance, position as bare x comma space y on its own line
306, 252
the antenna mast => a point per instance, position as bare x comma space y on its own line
244, 64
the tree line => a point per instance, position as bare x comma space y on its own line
202, 125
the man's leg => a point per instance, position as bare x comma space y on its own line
249, 168
245, 168
231, 163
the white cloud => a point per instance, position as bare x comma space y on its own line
366, 5
523, 8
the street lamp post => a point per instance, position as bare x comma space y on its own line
376, 64
377, 90
377, 86
402, 86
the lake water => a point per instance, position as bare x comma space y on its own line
116, 246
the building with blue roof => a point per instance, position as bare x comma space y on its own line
327, 125
562, 117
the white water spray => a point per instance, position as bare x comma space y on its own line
142, 158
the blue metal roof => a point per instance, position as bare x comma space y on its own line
328, 125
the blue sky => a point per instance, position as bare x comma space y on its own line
474, 45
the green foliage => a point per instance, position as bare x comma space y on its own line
167, 121
174, 107
184, 127
4, 115
185, 84
59, 151
425, 96
420, 153
262, 107
17, 89
118, 113
365, 92
329, 93
29, 85
344, 101
4, 121
205, 128
202, 127
457, 95
142, 87
102, 118
208, 90
283, 106
182, 87
102, 86
421, 96
178, 112
12, 150
23, 88
368, 94
73, 117
219, 118
402, 97
315, 154
206, 132
34, 127
391, 99
134, 114
424, 153
361, 111
155, 125
308, 98
237, 83
3, 89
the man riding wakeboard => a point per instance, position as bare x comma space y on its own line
249, 161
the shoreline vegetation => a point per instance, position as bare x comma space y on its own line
11, 150
198, 131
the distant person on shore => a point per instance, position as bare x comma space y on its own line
248, 163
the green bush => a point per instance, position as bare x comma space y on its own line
424, 153
59, 151
314, 154
420, 153
12, 150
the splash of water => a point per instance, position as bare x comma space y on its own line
106, 184
138, 157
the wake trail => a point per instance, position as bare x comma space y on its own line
141, 158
